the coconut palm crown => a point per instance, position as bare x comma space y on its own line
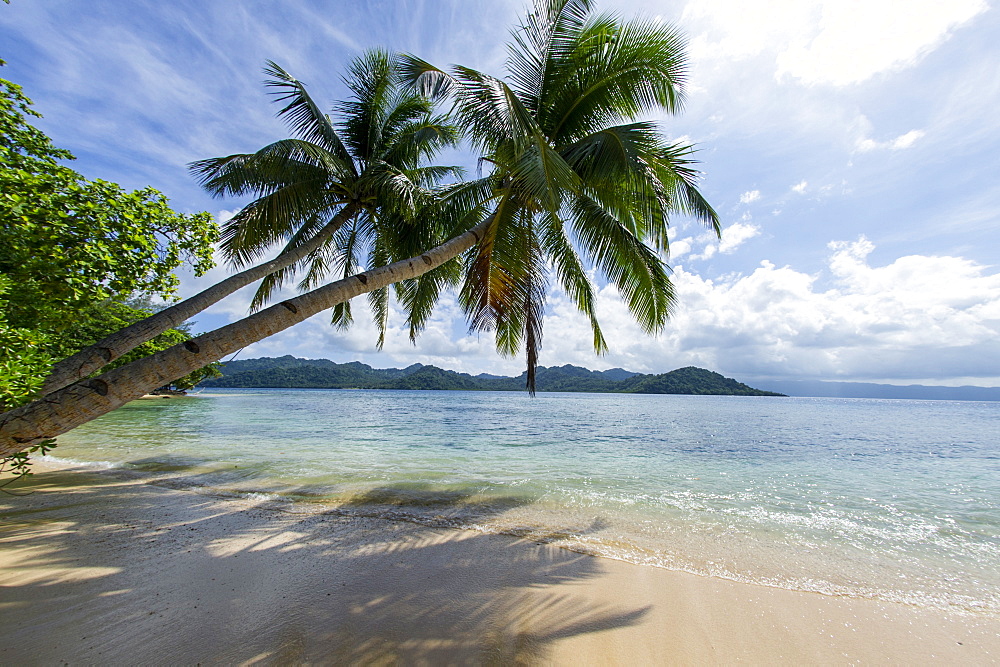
576, 178
356, 179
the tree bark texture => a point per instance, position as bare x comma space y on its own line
85, 400
103, 352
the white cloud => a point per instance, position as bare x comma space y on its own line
899, 143
857, 39
800, 187
750, 196
906, 140
735, 235
735, 30
706, 253
918, 317
680, 247
732, 238
225, 215
836, 42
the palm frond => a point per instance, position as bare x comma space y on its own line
482, 281
543, 174
255, 174
639, 178
632, 266
394, 190
340, 253
302, 113
419, 296
613, 152
571, 274
616, 71
378, 299
674, 167
538, 44
372, 82
420, 140
403, 108
431, 176
491, 112
275, 280
504, 288
534, 309
341, 316
468, 195
424, 78
315, 228
271, 283
271, 219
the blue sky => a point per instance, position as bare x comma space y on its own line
851, 148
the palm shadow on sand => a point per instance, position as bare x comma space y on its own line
107, 570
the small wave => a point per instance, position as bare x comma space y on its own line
257, 495
62, 461
558, 527
624, 549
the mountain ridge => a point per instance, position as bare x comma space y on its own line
292, 372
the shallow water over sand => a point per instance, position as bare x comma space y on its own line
895, 500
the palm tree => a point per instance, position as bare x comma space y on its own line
331, 177
574, 170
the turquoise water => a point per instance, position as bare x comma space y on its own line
887, 499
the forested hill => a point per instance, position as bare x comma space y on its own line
290, 372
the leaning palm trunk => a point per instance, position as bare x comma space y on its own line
88, 399
103, 352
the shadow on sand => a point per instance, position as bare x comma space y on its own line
106, 569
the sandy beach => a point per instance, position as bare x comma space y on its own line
108, 568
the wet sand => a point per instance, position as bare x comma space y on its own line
107, 568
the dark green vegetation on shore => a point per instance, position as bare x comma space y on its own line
290, 372
79, 259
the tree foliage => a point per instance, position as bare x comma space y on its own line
67, 242
99, 319
72, 251
23, 356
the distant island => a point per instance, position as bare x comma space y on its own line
886, 391
292, 373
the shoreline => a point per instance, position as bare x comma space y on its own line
575, 536
93, 561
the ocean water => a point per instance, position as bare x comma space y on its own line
887, 499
